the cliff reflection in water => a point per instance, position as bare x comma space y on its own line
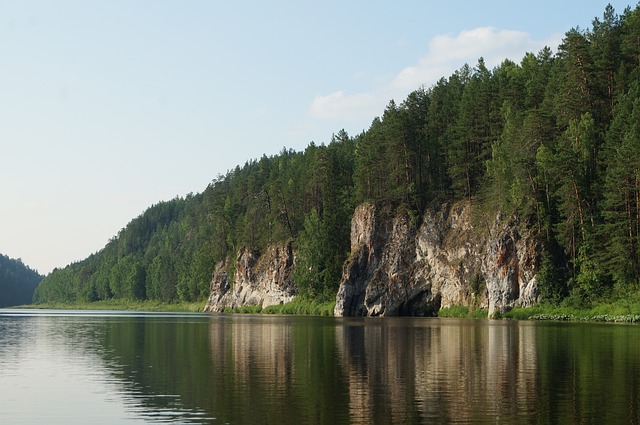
368, 371
305, 370
441, 370
401, 370
277, 370
292, 370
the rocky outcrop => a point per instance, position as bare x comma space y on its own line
398, 268
258, 280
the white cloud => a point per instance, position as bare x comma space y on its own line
260, 111
342, 105
447, 53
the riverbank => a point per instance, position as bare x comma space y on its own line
297, 306
603, 313
619, 311
193, 307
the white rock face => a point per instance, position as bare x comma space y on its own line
397, 269
258, 280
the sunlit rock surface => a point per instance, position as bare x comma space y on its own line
258, 280
397, 267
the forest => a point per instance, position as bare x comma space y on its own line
553, 140
17, 282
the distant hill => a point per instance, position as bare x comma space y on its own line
17, 282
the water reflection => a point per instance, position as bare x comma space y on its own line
452, 371
179, 369
277, 369
67, 368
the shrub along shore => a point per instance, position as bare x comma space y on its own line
621, 311
121, 304
298, 306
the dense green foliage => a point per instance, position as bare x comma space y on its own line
554, 140
168, 253
17, 282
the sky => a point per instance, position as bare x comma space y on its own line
109, 107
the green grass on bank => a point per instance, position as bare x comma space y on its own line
300, 306
606, 312
124, 305
297, 306
624, 310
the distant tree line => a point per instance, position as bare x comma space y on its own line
17, 282
553, 140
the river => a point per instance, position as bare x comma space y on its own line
107, 367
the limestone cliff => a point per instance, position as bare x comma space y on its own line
396, 268
258, 280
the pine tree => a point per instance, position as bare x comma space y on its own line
621, 205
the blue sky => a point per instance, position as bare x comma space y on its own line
107, 107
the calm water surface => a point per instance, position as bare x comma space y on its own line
70, 367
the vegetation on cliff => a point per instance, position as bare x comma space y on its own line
553, 139
17, 282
